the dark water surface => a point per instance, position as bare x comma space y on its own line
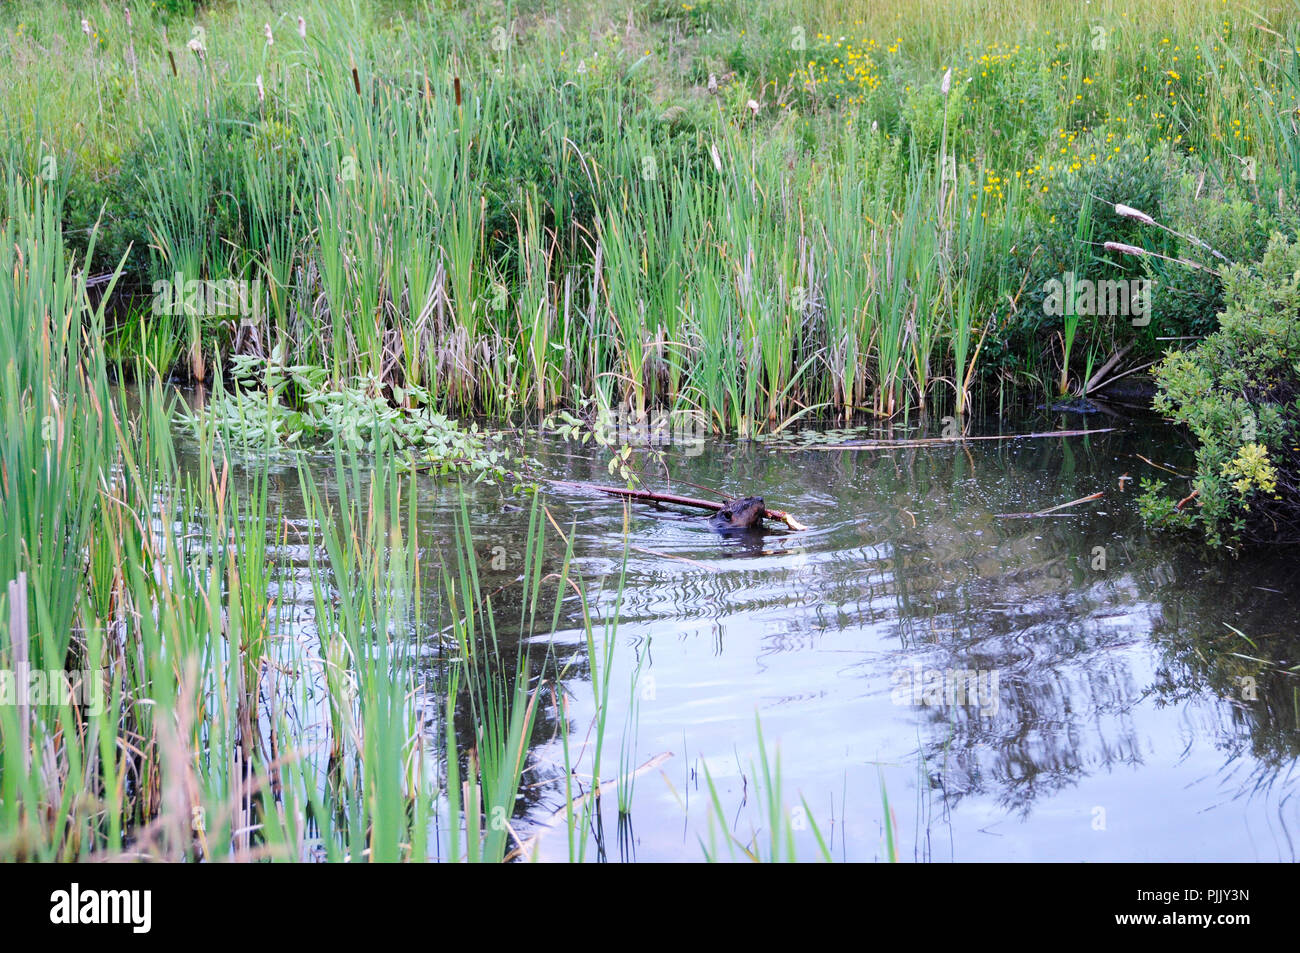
1124, 698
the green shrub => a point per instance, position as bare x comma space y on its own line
1187, 301
116, 200
1238, 391
1066, 233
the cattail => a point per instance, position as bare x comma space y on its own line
717, 159
1125, 249
261, 90
713, 83
753, 106
302, 28
85, 28
1126, 211
196, 47
266, 31
1134, 250
130, 52
946, 84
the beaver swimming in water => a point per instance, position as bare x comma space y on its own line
739, 514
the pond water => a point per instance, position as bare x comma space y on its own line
1063, 688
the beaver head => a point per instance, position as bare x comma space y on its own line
739, 514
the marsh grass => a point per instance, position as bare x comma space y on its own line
549, 220
209, 734
779, 819
503, 705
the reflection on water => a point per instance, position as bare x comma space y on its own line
1062, 688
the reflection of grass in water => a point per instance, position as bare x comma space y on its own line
502, 709
782, 823
363, 609
627, 751
580, 812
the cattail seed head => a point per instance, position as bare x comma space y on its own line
266, 31
261, 90
946, 84
1124, 249
85, 27
302, 28
1127, 211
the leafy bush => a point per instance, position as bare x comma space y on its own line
1238, 391
116, 201
1187, 301
1137, 178
1071, 223
294, 406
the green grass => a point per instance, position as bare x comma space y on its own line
215, 734
592, 221
775, 841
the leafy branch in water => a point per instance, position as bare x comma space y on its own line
296, 407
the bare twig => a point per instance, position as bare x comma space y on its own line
1106, 368
1159, 466
1131, 370
1083, 499
558, 817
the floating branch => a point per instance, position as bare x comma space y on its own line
649, 496
1159, 466
940, 441
1083, 499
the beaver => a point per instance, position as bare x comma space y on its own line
739, 514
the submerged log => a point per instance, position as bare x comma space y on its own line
649, 496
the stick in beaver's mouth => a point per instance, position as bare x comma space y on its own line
649, 496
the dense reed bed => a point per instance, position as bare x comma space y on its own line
745, 216
157, 703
